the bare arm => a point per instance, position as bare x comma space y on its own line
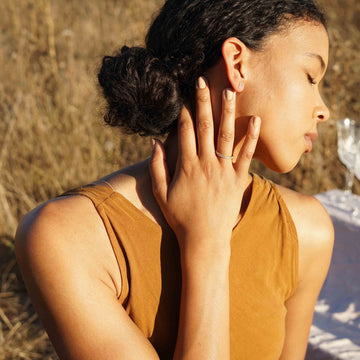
316, 237
65, 270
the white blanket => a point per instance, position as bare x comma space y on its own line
336, 324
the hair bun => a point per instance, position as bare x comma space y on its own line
142, 95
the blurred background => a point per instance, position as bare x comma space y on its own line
52, 136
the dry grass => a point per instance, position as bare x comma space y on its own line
52, 137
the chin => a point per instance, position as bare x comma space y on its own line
279, 167
281, 161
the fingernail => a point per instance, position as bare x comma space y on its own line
201, 83
153, 142
229, 94
256, 123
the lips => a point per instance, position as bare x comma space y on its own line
309, 138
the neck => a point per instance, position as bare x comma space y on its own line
171, 144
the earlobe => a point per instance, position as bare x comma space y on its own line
234, 54
241, 86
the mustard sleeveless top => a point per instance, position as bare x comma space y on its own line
263, 270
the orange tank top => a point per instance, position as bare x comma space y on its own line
263, 270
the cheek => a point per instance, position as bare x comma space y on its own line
254, 99
285, 106
264, 91
285, 120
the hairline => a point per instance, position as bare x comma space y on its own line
284, 25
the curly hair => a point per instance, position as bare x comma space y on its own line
145, 88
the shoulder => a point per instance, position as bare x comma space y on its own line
63, 234
54, 218
315, 233
72, 277
310, 217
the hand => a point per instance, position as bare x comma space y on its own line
202, 201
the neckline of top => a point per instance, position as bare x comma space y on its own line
110, 190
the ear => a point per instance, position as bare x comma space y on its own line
235, 54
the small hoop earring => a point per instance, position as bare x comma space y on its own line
241, 86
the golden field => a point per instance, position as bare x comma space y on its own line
52, 136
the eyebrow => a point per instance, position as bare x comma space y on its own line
317, 56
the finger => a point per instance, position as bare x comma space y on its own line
204, 119
225, 141
247, 150
159, 173
186, 135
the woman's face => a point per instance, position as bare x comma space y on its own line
282, 87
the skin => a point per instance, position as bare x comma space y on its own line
281, 71
65, 238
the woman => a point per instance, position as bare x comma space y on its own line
186, 255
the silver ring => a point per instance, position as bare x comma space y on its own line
224, 156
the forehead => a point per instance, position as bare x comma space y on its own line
301, 37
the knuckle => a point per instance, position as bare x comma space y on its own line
252, 136
187, 168
204, 124
208, 169
228, 110
248, 154
226, 136
185, 125
203, 97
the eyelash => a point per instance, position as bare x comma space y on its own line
311, 80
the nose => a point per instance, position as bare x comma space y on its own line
321, 111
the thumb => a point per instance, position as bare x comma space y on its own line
159, 172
